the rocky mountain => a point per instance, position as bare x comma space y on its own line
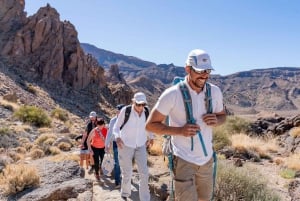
273, 89
42, 50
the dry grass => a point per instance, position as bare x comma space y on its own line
293, 162
17, 177
295, 132
60, 114
54, 150
10, 105
36, 153
45, 130
42, 138
21, 128
20, 150
49, 141
242, 142
243, 183
24, 140
64, 146
65, 157
15, 156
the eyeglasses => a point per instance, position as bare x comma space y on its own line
206, 71
140, 105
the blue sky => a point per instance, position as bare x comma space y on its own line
239, 35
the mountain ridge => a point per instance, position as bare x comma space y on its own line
270, 89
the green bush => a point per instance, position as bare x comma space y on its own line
4, 131
241, 184
220, 139
287, 173
235, 125
222, 133
60, 114
33, 115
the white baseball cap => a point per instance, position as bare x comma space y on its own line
139, 98
199, 60
93, 114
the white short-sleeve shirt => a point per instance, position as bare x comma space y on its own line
171, 104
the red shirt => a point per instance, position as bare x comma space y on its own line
98, 140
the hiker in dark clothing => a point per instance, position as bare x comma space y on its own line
84, 152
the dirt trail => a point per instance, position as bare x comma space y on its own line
104, 190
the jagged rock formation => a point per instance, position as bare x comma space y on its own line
49, 47
41, 49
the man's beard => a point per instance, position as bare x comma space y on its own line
198, 84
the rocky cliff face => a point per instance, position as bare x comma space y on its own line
49, 47
43, 49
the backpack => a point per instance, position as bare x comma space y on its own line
127, 114
167, 145
167, 149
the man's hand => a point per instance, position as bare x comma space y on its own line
210, 119
119, 142
189, 130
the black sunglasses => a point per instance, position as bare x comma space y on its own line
207, 71
139, 105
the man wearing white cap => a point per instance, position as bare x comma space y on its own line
193, 166
132, 141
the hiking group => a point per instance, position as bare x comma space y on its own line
186, 112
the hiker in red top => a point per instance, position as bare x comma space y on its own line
96, 144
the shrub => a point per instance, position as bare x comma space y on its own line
241, 184
36, 153
287, 173
21, 150
24, 140
15, 156
9, 104
60, 114
28, 146
234, 125
293, 162
33, 115
295, 132
54, 150
16, 178
49, 141
220, 139
11, 97
30, 88
4, 131
257, 146
64, 146
222, 133
44, 137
